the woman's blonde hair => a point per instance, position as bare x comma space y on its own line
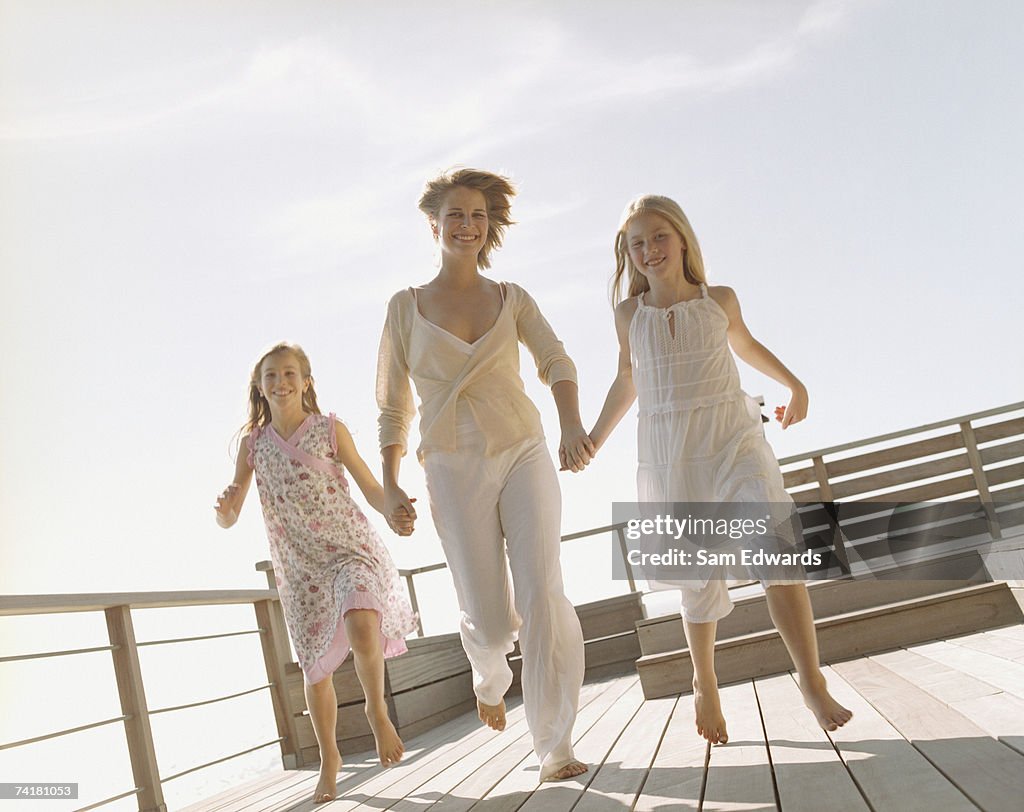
497, 190
693, 262
259, 407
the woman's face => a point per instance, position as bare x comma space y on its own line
461, 225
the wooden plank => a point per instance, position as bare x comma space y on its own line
223, 800
842, 636
934, 490
799, 476
100, 601
889, 770
610, 615
1002, 452
1008, 632
482, 764
419, 703
987, 772
618, 781
944, 683
1005, 647
677, 773
268, 619
999, 714
474, 752
997, 431
425, 756
807, 768
592, 749
901, 476
740, 774
894, 455
426, 661
1012, 407
132, 695
519, 784
1003, 674
750, 614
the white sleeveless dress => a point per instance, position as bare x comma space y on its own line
700, 436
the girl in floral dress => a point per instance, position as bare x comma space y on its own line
338, 585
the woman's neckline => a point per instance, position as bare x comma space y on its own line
474, 342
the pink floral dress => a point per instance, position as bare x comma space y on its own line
327, 557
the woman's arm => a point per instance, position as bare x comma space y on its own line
622, 392
753, 352
556, 369
229, 503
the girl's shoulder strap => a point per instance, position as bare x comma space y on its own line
704, 291
332, 435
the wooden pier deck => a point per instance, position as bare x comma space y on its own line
937, 726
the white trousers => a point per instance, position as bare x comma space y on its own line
481, 505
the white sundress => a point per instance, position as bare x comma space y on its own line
700, 436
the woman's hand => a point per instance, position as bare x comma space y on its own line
227, 505
797, 409
576, 449
399, 510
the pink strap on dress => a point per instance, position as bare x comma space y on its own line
250, 443
333, 418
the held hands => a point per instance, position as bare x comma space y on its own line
398, 511
576, 449
797, 409
227, 506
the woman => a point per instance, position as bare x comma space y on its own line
489, 476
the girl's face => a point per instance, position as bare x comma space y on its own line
461, 224
655, 247
281, 381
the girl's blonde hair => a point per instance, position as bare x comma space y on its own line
693, 261
497, 190
259, 407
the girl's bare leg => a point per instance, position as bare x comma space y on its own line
363, 629
790, 608
700, 637
322, 702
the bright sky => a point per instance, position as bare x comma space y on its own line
185, 184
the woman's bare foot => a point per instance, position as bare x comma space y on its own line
570, 770
327, 786
829, 713
389, 745
492, 715
708, 711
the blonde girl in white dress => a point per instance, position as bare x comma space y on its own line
699, 436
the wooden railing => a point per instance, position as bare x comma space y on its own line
124, 648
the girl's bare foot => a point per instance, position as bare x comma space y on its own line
492, 715
708, 711
570, 770
829, 713
389, 745
327, 786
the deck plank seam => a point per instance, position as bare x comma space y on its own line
654, 755
767, 747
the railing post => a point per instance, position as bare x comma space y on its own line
284, 652
625, 558
273, 632
128, 674
980, 480
825, 492
415, 603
